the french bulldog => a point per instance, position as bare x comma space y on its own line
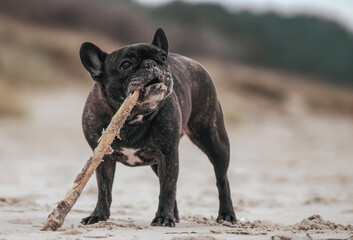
177, 97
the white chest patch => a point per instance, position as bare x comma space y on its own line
137, 119
132, 159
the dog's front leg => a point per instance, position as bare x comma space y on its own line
168, 169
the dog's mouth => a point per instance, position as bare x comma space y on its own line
154, 90
152, 82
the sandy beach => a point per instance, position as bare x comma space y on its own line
291, 178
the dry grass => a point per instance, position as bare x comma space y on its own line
42, 58
10, 102
249, 93
39, 58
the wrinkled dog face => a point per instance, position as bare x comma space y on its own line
139, 66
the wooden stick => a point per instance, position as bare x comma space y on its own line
56, 218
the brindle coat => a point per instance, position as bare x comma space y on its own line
181, 100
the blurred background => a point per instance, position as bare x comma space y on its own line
283, 71
264, 55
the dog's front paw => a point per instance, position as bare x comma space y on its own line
93, 219
164, 221
227, 217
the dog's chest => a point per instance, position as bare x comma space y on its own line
130, 157
139, 157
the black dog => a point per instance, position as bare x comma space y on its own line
177, 97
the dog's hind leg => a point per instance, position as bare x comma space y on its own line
209, 134
176, 212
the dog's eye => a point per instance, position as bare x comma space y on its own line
164, 58
125, 65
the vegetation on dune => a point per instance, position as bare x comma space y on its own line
301, 44
10, 105
250, 93
260, 63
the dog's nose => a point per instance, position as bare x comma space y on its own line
148, 63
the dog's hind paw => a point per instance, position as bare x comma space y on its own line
163, 222
227, 217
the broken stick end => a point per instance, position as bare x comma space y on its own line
51, 225
56, 218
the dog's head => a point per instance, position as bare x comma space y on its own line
140, 66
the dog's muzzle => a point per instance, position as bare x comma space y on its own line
154, 84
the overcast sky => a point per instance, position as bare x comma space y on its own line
340, 10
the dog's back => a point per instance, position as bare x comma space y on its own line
193, 86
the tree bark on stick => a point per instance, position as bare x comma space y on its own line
57, 216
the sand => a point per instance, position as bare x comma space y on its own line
291, 178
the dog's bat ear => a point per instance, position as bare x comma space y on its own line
160, 40
92, 59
